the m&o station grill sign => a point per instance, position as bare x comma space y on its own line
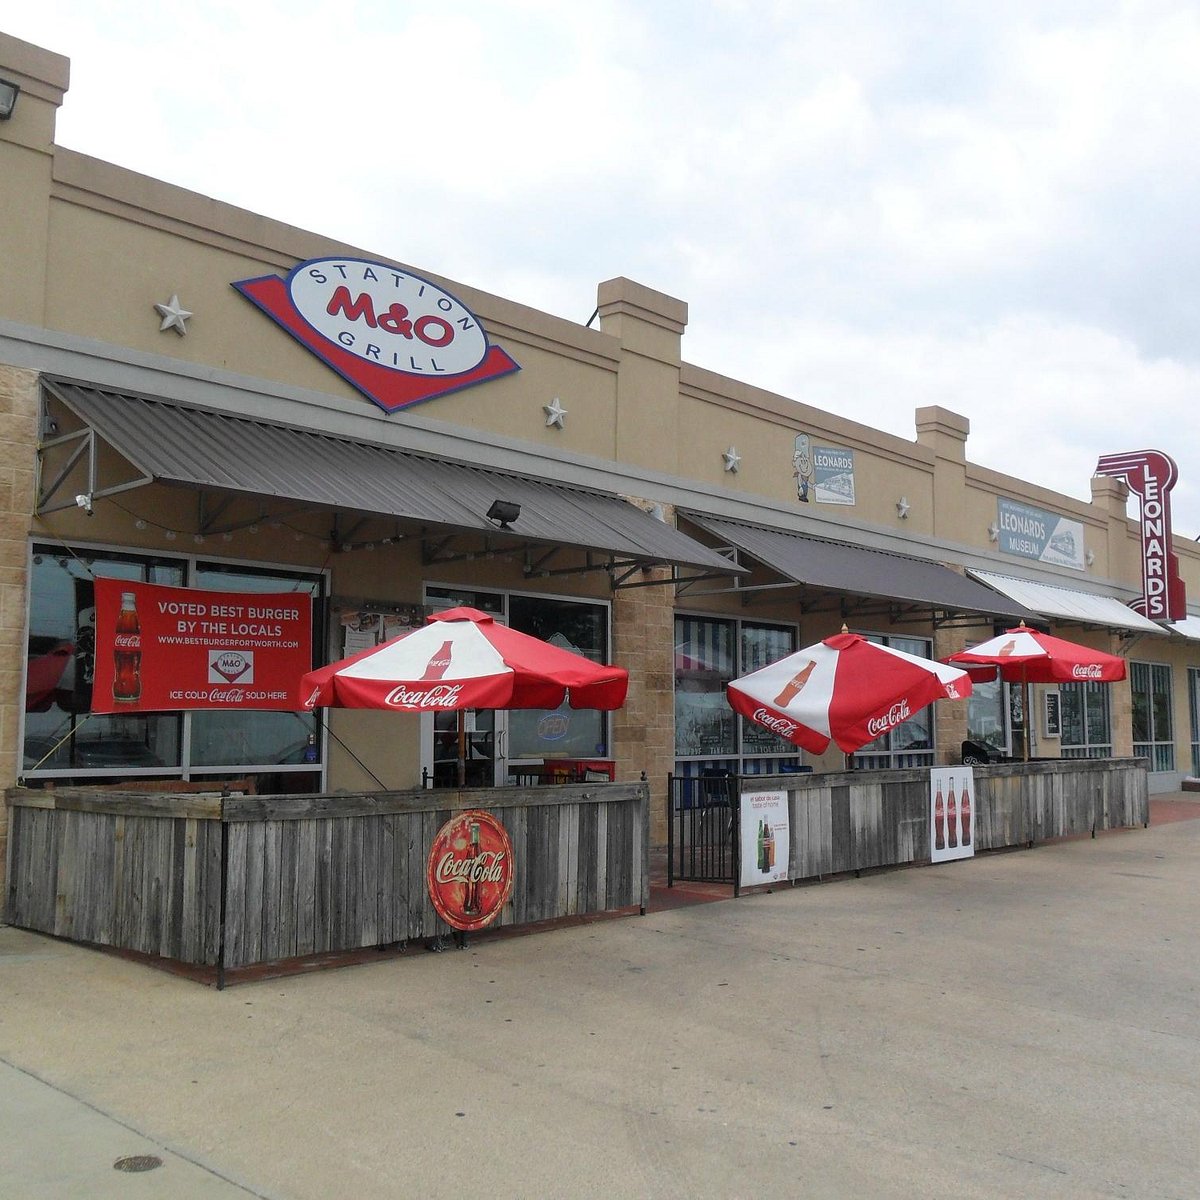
395, 336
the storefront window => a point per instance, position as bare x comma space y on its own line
910, 744
63, 738
704, 664
243, 740
1086, 726
709, 652
61, 734
1194, 712
1153, 736
564, 732
985, 715
531, 734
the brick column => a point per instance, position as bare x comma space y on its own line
951, 715
18, 444
644, 730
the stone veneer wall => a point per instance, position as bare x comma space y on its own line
951, 715
18, 441
644, 730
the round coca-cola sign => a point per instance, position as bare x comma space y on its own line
470, 870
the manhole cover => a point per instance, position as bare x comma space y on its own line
138, 1162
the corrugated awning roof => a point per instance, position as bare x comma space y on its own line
1189, 628
1066, 604
178, 443
837, 567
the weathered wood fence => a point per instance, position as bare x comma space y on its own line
230, 881
856, 820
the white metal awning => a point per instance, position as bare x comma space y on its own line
1067, 604
1189, 628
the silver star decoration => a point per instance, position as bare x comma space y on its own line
902, 507
732, 459
554, 413
173, 316
993, 532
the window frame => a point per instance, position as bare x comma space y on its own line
736, 761
185, 771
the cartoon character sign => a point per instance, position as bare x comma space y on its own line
802, 467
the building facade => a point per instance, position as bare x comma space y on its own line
197, 396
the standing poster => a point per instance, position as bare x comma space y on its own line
765, 839
952, 813
160, 649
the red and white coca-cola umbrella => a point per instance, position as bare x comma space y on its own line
464, 659
844, 689
1024, 655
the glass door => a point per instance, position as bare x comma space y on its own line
483, 736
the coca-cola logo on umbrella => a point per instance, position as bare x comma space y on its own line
470, 870
397, 337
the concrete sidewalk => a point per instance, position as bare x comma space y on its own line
1019, 1024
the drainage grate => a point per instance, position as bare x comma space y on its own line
138, 1162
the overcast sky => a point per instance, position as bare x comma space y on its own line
868, 206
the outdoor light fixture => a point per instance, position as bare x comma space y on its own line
8, 98
503, 512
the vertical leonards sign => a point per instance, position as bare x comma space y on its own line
395, 336
1151, 475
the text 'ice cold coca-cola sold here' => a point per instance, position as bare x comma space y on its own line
127, 652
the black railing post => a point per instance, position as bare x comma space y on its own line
735, 832
671, 829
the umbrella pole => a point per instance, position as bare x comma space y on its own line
1028, 713
462, 748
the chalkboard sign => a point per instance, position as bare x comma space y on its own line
1052, 714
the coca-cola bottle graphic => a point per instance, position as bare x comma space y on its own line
762, 846
1006, 650
768, 847
792, 687
439, 663
127, 652
939, 820
964, 807
471, 900
952, 817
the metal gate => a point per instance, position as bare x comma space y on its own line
702, 826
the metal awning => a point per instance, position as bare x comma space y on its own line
893, 580
202, 448
1189, 628
1066, 604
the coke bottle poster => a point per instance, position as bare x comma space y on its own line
952, 814
765, 839
160, 649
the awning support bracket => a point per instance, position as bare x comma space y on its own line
86, 439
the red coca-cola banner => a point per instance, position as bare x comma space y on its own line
164, 648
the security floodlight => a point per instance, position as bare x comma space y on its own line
8, 98
503, 512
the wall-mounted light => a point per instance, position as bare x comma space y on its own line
8, 98
503, 512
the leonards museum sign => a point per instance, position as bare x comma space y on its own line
395, 336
